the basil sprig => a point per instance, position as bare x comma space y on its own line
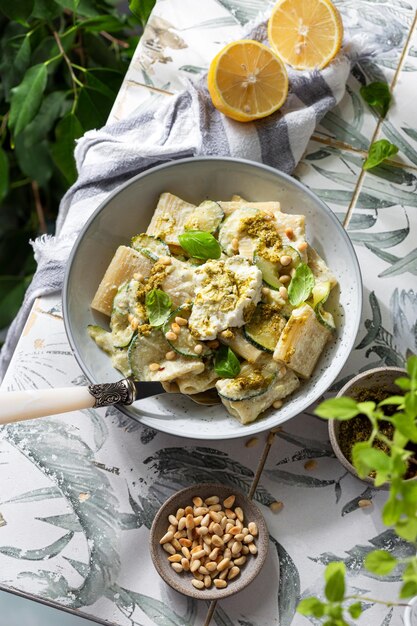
226, 363
301, 285
158, 307
200, 245
378, 96
378, 152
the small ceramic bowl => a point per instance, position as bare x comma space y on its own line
374, 379
182, 582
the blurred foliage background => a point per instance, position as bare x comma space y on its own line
61, 65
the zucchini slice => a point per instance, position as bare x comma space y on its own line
104, 340
207, 217
185, 342
269, 270
125, 303
253, 380
152, 348
150, 246
230, 228
265, 327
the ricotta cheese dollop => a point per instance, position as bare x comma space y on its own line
225, 291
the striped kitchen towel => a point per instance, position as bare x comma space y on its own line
164, 129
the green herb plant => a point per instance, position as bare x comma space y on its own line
378, 96
61, 66
400, 509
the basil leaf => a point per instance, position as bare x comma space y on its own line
200, 245
378, 96
378, 152
301, 285
158, 307
226, 363
343, 408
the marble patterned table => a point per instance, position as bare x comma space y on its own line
79, 492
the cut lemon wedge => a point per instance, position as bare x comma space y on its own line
247, 81
306, 34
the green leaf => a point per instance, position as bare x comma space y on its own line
409, 589
17, 10
200, 245
392, 511
27, 97
34, 158
335, 581
403, 383
22, 58
407, 529
412, 367
93, 108
4, 174
378, 152
66, 132
158, 307
142, 9
380, 562
343, 408
311, 606
301, 285
378, 96
226, 363
12, 290
355, 610
405, 425
392, 400
371, 458
361, 468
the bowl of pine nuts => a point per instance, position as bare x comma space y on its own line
208, 541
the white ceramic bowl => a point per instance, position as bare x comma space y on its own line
128, 211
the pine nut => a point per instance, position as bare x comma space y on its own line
285, 260
173, 520
138, 276
172, 528
253, 529
302, 246
265, 291
212, 500
207, 548
283, 293
181, 523
170, 356
240, 561
229, 502
277, 404
217, 541
211, 566
252, 548
180, 534
201, 510
185, 542
233, 572
207, 540
165, 260
198, 349
236, 548
189, 510
215, 516
174, 558
220, 584
224, 563
213, 554
181, 321
167, 537
239, 514
197, 520
234, 530
284, 279
235, 244
189, 522
177, 567
310, 465
289, 233
202, 531
198, 554
253, 441
228, 553
363, 504
171, 336
176, 544
217, 529
276, 506
186, 552
154, 367
205, 521
231, 515
248, 539
175, 328
203, 570
215, 507
198, 584
207, 582
223, 574
185, 564
168, 547
239, 537
198, 576
227, 537
195, 565
245, 549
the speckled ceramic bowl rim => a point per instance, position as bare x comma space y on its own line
240, 583
332, 423
317, 390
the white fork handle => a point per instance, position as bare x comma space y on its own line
16, 406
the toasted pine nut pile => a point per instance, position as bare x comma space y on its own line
209, 540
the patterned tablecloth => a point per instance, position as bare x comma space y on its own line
79, 492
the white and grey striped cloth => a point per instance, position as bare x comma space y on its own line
164, 129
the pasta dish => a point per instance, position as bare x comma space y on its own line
226, 296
